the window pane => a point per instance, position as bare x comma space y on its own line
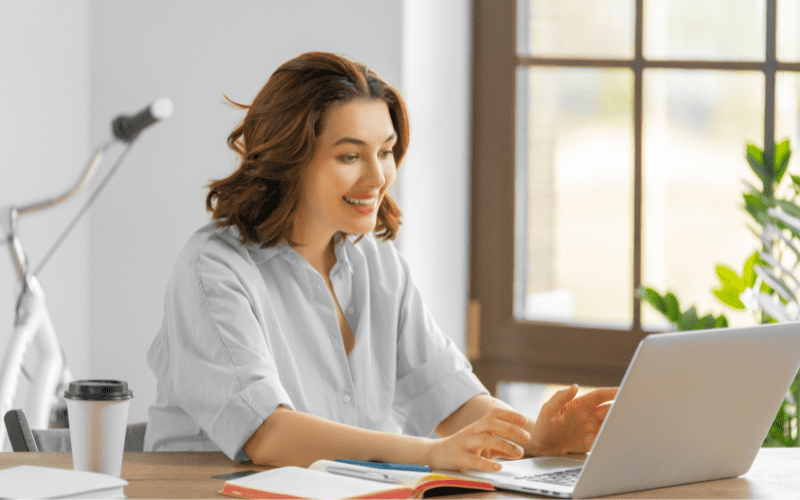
579, 175
788, 36
705, 29
787, 116
576, 28
696, 127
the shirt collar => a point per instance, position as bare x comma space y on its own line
283, 248
341, 251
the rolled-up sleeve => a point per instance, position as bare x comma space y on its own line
212, 353
434, 378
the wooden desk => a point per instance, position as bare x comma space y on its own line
775, 474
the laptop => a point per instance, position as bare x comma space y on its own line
693, 406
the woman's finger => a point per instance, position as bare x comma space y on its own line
507, 430
600, 396
507, 415
483, 464
602, 410
498, 446
559, 399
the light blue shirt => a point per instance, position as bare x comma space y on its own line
247, 328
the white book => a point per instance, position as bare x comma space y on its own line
31, 481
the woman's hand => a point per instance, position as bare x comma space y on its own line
567, 425
473, 447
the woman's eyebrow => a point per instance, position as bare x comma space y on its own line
359, 142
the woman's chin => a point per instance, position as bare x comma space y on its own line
359, 228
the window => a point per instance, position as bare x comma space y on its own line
608, 152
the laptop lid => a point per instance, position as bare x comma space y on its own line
693, 406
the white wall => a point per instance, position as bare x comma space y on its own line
434, 179
120, 55
44, 143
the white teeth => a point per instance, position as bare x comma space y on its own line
366, 201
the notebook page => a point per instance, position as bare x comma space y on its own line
297, 481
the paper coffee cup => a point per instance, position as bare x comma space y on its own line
98, 418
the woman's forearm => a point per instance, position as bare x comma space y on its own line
290, 437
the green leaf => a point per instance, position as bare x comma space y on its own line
780, 430
796, 180
729, 299
755, 157
789, 207
654, 299
755, 201
756, 153
705, 322
767, 201
673, 310
778, 436
730, 279
781, 153
749, 274
688, 319
721, 322
759, 214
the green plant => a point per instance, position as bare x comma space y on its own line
767, 286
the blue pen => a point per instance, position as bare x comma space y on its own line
387, 465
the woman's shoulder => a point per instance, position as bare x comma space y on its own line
212, 246
211, 240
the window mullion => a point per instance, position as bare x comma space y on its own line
638, 69
770, 67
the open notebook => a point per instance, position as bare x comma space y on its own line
327, 479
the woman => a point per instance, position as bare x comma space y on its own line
293, 330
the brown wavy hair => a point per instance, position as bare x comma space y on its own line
277, 138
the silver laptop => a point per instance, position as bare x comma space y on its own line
693, 406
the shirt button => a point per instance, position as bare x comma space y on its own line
319, 287
350, 310
346, 398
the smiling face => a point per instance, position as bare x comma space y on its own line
352, 168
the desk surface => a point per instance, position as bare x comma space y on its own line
775, 474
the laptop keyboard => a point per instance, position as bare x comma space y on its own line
567, 477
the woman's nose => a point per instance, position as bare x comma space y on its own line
375, 172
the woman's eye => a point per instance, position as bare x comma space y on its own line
348, 158
387, 154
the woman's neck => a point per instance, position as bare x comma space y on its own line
321, 256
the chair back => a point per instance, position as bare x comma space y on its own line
23, 438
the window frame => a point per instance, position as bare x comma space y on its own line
502, 348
